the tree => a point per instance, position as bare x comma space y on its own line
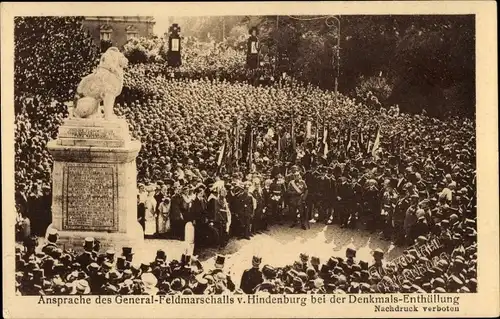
51, 55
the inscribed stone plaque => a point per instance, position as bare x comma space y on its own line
90, 197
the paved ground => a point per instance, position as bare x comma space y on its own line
279, 246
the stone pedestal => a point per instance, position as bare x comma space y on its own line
94, 183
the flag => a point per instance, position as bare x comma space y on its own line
368, 148
250, 148
325, 141
349, 141
221, 154
316, 143
376, 143
270, 133
236, 139
246, 147
361, 142
228, 151
308, 129
293, 131
279, 146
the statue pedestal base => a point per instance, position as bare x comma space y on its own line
94, 183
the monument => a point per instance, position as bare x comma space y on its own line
94, 173
253, 49
174, 46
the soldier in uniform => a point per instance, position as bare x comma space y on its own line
218, 209
198, 212
233, 199
310, 178
258, 222
252, 277
277, 191
399, 218
411, 219
372, 205
355, 204
247, 205
297, 190
389, 201
344, 198
177, 211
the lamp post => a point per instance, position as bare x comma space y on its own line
329, 23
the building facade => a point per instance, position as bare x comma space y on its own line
118, 29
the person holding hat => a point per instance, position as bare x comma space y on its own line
252, 277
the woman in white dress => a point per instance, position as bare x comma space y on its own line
188, 197
164, 216
150, 212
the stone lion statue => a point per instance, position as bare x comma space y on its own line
103, 85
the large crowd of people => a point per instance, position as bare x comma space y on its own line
50, 270
226, 158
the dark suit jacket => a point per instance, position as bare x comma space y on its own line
250, 279
198, 210
177, 208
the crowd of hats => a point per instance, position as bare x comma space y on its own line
50, 270
187, 119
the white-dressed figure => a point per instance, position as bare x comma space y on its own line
164, 216
150, 212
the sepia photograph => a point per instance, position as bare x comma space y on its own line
248, 160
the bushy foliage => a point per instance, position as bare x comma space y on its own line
374, 90
143, 50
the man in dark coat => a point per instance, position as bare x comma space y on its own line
219, 214
247, 205
177, 210
344, 198
252, 277
277, 191
198, 211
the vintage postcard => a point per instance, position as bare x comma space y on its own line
250, 160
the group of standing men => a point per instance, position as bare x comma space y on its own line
209, 211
